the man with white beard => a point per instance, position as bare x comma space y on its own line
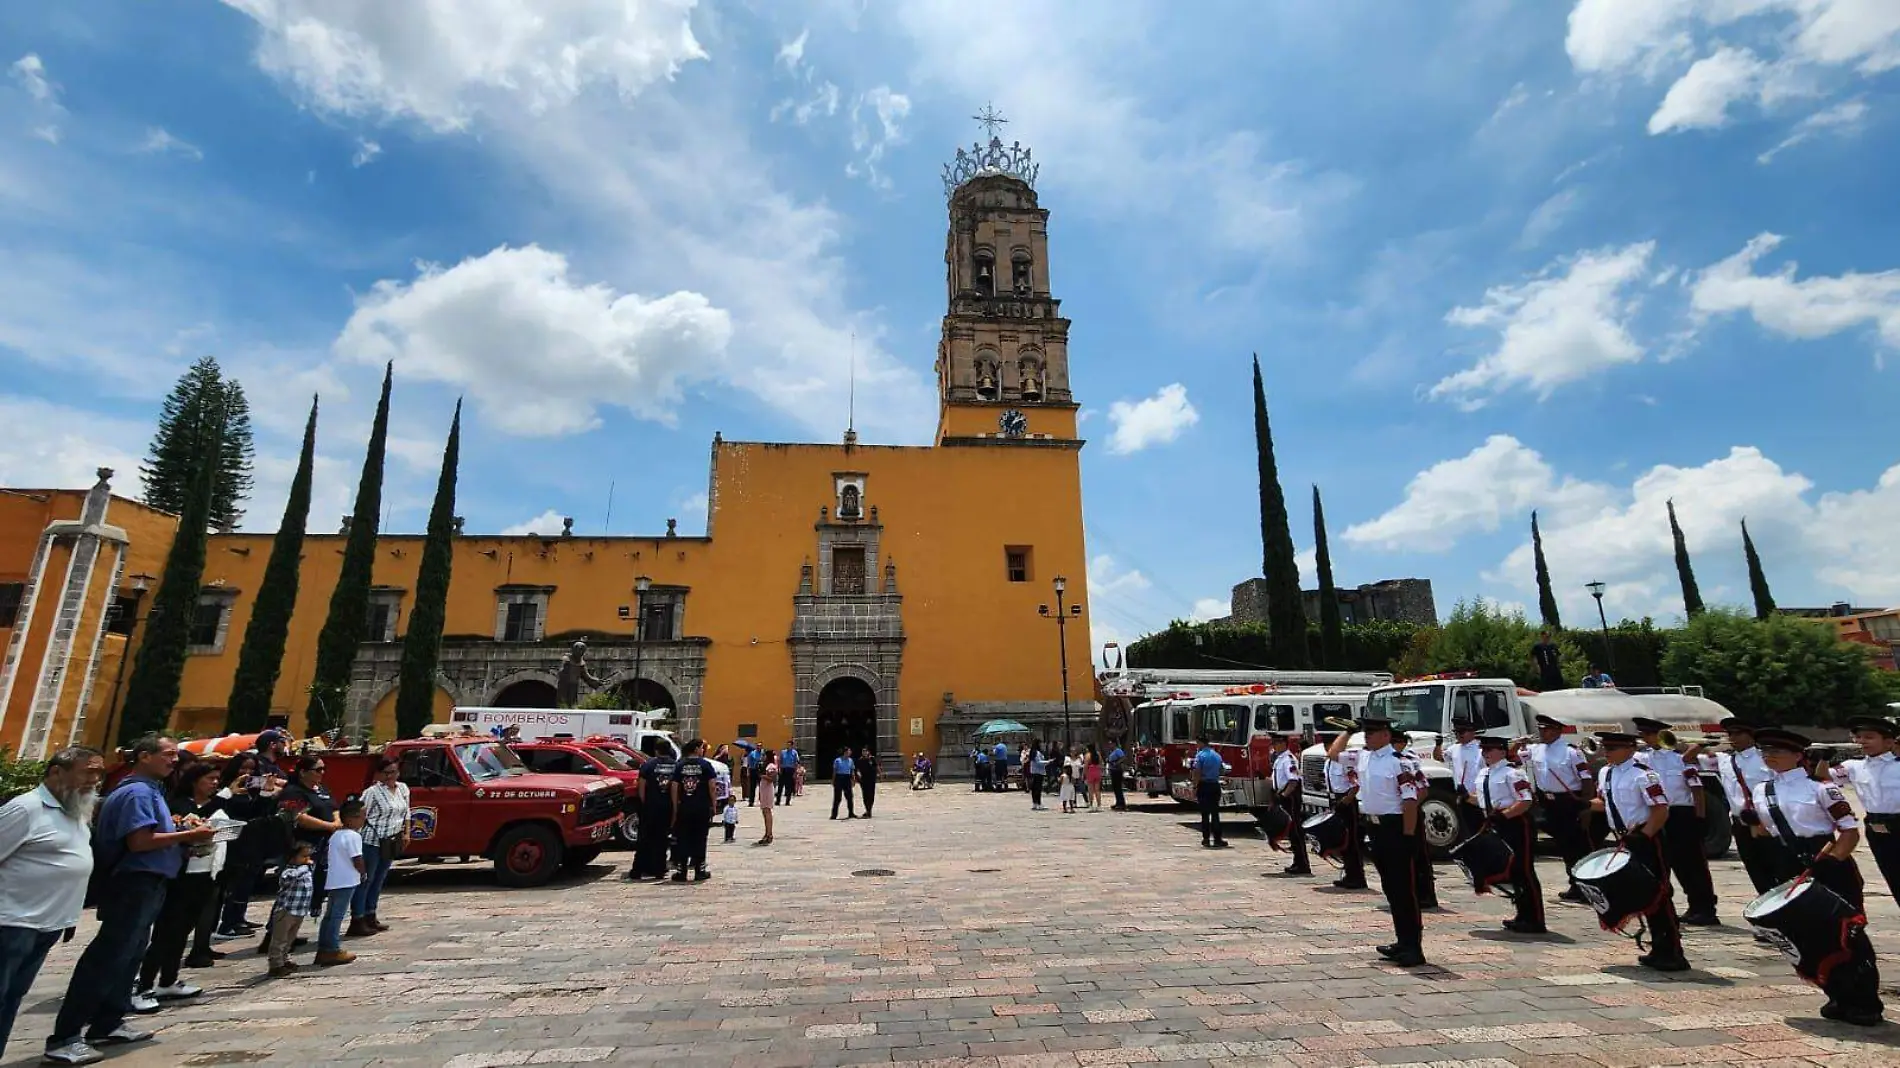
45, 860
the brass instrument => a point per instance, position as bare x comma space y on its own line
1666, 738
1343, 724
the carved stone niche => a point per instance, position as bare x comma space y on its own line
849, 488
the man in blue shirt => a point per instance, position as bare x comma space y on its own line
843, 771
137, 853
1117, 760
787, 773
999, 766
1207, 772
754, 760
980, 762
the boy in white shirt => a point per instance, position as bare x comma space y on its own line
344, 872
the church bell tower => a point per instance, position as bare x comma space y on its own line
1003, 362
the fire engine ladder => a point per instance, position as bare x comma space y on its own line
22, 625
59, 646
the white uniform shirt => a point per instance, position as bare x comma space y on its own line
1812, 809
1679, 780
1740, 772
1341, 774
1467, 765
45, 860
1557, 767
1876, 781
1630, 790
1385, 783
1501, 786
1285, 770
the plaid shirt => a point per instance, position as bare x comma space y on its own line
386, 812
294, 885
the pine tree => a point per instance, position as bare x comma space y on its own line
1757, 578
1691, 595
422, 644
1546, 600
174, 456
262, 657
152, 691
1332, 640
1286, 615
344, 627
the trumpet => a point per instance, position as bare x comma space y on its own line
1666, 738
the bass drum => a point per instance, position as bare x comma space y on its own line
1811, 925
1277, 825
1486, 860
1325, 834
1617, 886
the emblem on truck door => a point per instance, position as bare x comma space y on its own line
421, 824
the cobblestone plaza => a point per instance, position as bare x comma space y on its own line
961, 929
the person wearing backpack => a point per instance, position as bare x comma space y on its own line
136, 852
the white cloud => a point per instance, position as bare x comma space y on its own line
1306, 562
53, 446
1109, 579
366, 151
1549, 217
439, 63
1852, 539
792, 53
160, 141
30, 72
547, 524
1499, 482
1207, 608
823, 101
1155, 420
537, 350
1700, 99
1556, 328
871, 140
1843, 120
1813, 307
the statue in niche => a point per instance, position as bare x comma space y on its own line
850, 503
573, 675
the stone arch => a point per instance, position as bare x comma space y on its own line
526, 675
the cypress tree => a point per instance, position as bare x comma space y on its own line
344, 627
152, 691
1332, 641
262, 657
1286, 615
1546, 600
422, 643
1691, 595
1757, 579
172, 461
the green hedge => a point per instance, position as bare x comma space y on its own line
18, 776
1367, 646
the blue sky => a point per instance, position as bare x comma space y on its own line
1583, 257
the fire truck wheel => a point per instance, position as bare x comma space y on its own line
527, 855
580, 858
1438, 819
627, 830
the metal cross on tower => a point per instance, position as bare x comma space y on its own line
990, 119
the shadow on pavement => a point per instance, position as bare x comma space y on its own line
1493, 934
479, 875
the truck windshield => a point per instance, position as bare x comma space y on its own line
1411, 708
1226, 724
610, 758
487, 760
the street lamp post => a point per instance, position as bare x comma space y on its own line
640, 587
140, 583
1609, 652
1062, 646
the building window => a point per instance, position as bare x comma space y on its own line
1016, 562
124, 614
11, 594
380, 624
847, 569
210, 621
523, 623
658, 625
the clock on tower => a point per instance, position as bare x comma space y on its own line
1014, 424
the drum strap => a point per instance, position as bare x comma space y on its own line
1788, 838
1609, 803
1748, 799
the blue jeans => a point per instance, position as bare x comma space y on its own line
22, 950
376, 862
336, 904
100, 992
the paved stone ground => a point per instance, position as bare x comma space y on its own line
1004, 939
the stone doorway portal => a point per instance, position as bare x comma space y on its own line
847, 716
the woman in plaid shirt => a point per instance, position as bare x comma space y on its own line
386, 804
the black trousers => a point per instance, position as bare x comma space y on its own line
1395, 857
1035, 789
787, 784
100, 991
1883, 841
1115, 780
1521, 836
1424, 873
751, 778
689, 838
1207, 799
1757, 854
1352, 861
1682, 849
1665, 933
1564, 820
1294, 832
841, 791
185, 900
649, 854
870, 794
982, 777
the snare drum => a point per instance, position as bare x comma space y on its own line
1278, 825
1617, 886
1326, 834
1811, 925
1486, 859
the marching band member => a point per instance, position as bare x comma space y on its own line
1637, 806
1682, 834
1741, 770
1561, 775
1875, 778
1389, 798
1426, 876
1816, 832
1342, 784
1505, 794
1286, 796
1467, 769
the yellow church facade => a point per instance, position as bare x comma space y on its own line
842, 593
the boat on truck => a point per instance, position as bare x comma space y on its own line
1161, 708
1425, 707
